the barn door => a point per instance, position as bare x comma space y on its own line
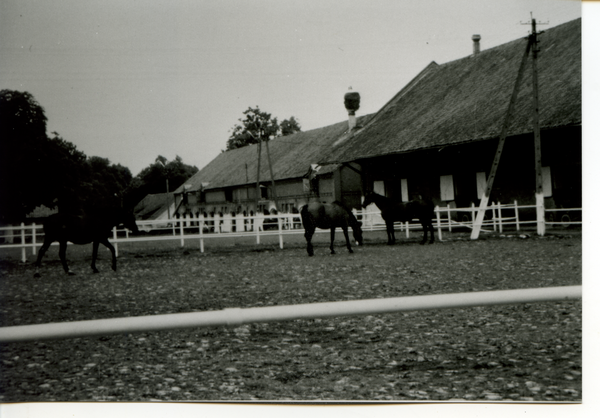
446, 188
379, 187
404, 189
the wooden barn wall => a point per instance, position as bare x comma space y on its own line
515, 179
348, 187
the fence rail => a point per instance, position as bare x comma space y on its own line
239, 316
200, 229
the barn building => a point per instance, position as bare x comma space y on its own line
437, 137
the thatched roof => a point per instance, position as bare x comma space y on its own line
467, 99
291, 157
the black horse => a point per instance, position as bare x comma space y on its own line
84, 228
393, 211
329, 216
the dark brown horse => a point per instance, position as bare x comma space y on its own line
329, 216
84, 229
393, 211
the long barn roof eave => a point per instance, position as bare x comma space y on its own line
441, 146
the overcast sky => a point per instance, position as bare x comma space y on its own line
129, 80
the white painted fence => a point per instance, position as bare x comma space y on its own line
199, 229
239, 316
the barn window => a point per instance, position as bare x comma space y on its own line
379, 187
264, 192
447, 188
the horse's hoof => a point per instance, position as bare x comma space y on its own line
350, 251
37, 275
95, 271
423, 242
70, 273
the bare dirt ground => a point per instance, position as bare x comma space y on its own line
526, 352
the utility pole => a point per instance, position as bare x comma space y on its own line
539, 193
488, 189
260, 136
258, 176
168, 200
539, 189
272, 178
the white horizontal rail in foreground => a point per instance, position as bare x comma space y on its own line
238, 316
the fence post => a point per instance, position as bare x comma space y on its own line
33, 239
500, 216
449, 219
517, 215
439, 222
279, 226
257, 227
23, 255
201, 223
407, 230
494, 219
472, 214
181, 229
115, 239
540, 214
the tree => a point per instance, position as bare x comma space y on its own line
34, 169
154, 178
289, 126
257, 126
106, 183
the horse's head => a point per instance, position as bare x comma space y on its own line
369, 198
357, 230
128, 220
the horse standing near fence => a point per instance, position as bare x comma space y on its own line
393, 211
329, 216
84, 228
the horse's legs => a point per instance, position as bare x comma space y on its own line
432, 233
345, 229
428, 227
108, 245
62, 253
332, 235
389, 226
308, 233
38, 262
95, 245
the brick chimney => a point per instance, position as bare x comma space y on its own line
476, 39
